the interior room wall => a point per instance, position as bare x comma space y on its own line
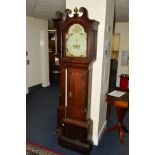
97, 11
123, 29
106, 65
33, 56
39, 26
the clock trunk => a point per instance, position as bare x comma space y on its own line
76, 93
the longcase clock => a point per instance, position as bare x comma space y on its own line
78, 45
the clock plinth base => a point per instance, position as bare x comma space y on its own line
76, 135
75, 145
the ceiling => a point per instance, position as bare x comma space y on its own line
49, 9
45, 9
122, 11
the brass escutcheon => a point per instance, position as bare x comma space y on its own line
70, 94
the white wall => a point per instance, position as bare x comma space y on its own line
106, 65
97, 11
123, 29
40, 28
34, 56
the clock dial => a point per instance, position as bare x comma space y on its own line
76, 41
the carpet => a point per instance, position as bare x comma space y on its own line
41, 121
35, 149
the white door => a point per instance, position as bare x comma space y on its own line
33, 67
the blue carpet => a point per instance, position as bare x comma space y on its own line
41, 112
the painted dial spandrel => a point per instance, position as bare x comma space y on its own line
76, 41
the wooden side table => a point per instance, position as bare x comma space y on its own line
121, 104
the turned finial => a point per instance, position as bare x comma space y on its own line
76, 12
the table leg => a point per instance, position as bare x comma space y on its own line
119, 126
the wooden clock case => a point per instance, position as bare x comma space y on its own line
74, 124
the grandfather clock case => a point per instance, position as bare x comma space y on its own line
77, 45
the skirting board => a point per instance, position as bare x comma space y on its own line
28, 89
97, 139
45, 84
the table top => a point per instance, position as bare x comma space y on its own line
124, 97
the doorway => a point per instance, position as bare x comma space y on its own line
114, 61
54, 58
